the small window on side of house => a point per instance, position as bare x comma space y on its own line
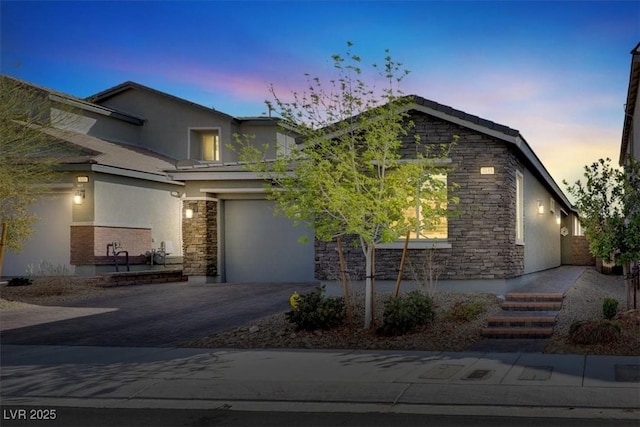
577, 227
519, 208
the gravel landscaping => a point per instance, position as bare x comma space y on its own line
583, 301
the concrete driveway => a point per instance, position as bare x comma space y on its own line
148, 315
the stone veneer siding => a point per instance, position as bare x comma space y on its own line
200, 238
482, 234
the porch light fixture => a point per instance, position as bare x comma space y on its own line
540, 207
558, 219
78, 198
188, 213
82, 179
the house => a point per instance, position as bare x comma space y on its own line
109, 189
156, 168
630, 146
513, 219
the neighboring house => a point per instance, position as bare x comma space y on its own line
159, 168
630, 147
109, 190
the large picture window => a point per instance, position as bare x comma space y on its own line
429, 215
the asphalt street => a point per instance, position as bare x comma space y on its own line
223, 417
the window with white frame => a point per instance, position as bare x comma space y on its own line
519, 208
285, 144
577, 227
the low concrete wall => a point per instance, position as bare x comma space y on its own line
140, 278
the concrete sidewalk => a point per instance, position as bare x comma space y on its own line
346, 381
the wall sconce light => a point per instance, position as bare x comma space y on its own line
188, 213
558, 219
82, 179
540, 207
78, 198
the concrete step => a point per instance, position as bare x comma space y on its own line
517, 333
538, 297
522, 320
531, 305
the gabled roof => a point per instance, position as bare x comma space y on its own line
100, 152
632, 96
100, 97
502, 132
72, 101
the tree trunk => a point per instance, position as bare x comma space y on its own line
396, 290
368, 289
628, 281
345, 282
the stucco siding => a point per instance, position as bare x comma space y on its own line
541, 231
121, 202
50, 239
167, 122
96, 125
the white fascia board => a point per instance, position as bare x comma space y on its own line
111, 170
465, 123
546, 176
248, 190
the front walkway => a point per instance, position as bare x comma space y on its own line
554, 280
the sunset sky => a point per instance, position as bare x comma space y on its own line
556, 71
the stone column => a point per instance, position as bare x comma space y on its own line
200, 240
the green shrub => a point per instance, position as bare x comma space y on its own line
465, 311
315, 311
404, 314
609, 308
591, 332
20, 281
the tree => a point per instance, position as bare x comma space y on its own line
27, 157
348, 176
609, 208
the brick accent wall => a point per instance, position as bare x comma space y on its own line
200, 238
580, 251
89, 244
482, 234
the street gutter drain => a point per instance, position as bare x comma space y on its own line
479, 374
441, 372
536, 373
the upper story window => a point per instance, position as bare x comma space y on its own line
211, 147
285, 144
204, 144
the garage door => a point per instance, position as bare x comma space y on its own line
261, 247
